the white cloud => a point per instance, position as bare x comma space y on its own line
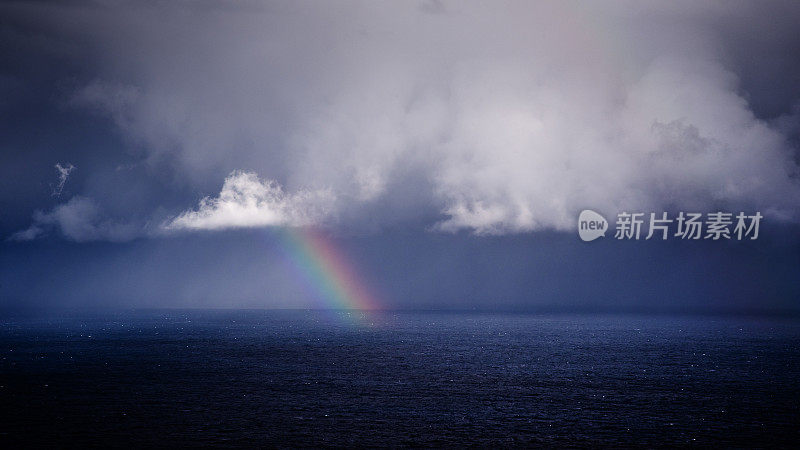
28, 234
63, 174
499, 118
78, 220
247, 202
680, 137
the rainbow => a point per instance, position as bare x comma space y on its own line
327, 269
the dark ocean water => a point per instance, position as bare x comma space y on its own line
324, 378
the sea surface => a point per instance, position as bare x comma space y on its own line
322, 378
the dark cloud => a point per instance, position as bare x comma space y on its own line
516, 117
438, 119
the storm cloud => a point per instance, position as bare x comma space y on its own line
487, 117
445, 148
